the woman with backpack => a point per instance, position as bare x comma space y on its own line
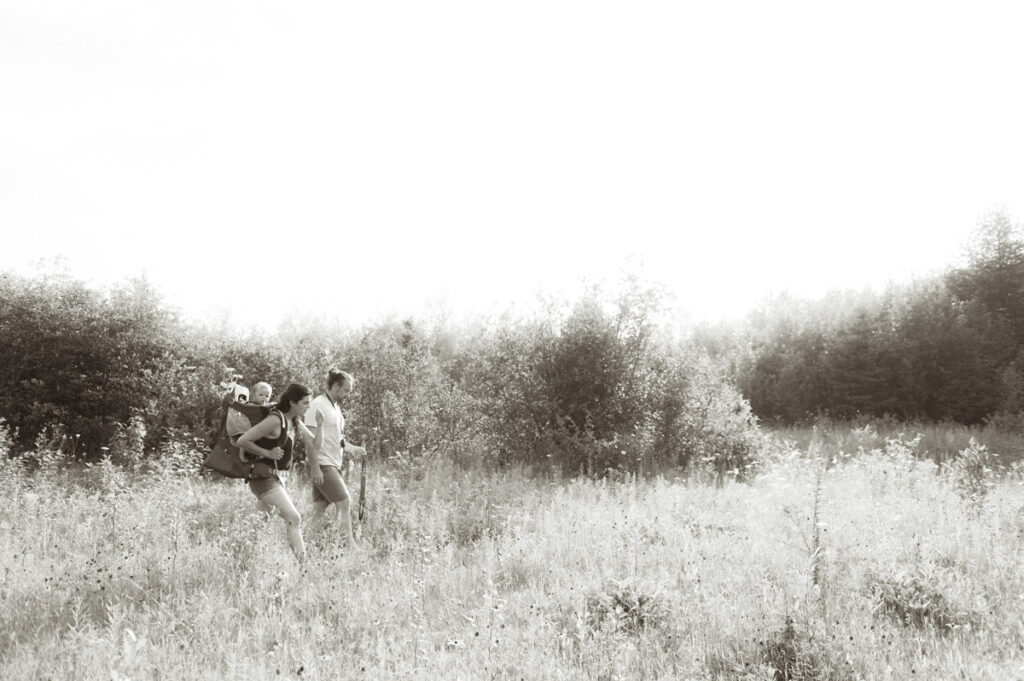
270, 442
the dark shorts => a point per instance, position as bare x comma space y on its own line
332, 489
260, 486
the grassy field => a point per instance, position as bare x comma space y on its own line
829, 564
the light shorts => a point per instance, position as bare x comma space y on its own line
332, 489
261, 486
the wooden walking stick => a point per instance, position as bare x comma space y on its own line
362, 486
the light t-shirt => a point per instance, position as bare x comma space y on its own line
330, 450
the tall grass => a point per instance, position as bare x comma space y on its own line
940, 442
822, 567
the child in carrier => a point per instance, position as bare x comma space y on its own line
240, 419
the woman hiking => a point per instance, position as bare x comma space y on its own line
271, 441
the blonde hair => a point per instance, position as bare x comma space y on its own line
262, 384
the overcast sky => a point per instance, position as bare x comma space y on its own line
370, 158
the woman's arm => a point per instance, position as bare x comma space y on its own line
268, 427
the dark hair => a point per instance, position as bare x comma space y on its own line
337, 376
292, 394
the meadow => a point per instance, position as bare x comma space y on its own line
854, 556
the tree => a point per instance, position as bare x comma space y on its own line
74, 358
994, 275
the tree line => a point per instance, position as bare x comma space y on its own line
591, 386
948, 347
596, 385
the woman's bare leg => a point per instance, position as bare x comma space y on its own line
278, 498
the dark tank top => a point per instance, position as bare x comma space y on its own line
284, 441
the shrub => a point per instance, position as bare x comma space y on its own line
128, 442
914, 600
396, 379
180, 454
626, 608
793, 655
611, 613
972, 472
7, 438
599, 391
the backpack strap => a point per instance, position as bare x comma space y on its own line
284, 430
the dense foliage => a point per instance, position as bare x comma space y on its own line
76, 358
597, 386
594, 387
947, 348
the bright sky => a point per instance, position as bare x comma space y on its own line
375, 157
